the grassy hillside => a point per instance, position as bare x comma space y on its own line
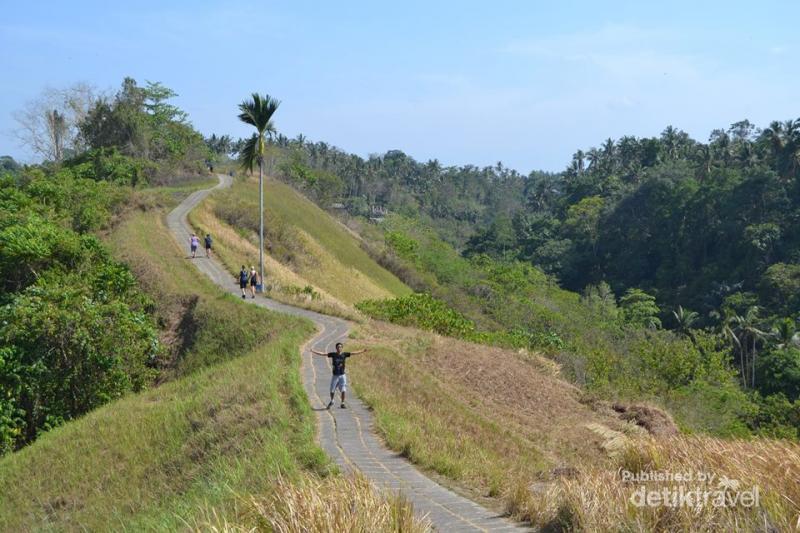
311, 258
476, 414
230, 433
593, 338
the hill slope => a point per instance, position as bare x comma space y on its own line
306, 247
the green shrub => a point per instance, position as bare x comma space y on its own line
777, 416
108, 164
421, 311
70, 350
778, 372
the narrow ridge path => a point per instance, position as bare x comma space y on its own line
347, 435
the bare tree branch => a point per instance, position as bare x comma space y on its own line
48, 125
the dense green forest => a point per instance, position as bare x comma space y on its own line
76, 332
664, 233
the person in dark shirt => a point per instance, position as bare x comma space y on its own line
208, 244
243, 277
338, 361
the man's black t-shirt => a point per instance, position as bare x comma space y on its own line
338, 361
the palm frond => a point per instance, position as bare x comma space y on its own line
258, 111
249, 155
247, 114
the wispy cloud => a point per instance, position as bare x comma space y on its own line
620, 52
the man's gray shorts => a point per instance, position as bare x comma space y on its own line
339, 382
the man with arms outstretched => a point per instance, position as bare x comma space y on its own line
339, 379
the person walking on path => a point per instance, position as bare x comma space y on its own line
208, 244
339, 379
194, 242
243, 276
253, 281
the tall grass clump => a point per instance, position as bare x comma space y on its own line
601, 499
333, 504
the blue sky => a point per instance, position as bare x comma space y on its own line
525, 83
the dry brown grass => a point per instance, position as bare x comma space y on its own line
520, 389
335, 504
481, 416
599, 499
503, 424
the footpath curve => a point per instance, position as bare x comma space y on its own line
347, 435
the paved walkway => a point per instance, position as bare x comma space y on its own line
347, 435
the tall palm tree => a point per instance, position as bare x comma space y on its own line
608, 155
628, 154
746, 154
704, 155
594, 157
578, 158
669, 140
258, 113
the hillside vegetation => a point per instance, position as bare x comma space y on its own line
76, 330
696, 237
606, 349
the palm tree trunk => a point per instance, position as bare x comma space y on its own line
742, 364
261, 221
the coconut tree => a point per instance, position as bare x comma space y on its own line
578, 162
745, 333
594, 157
704, 155
685, 319
785, 334
608, 155
783, 139
258, 113
628, 153
670, 140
